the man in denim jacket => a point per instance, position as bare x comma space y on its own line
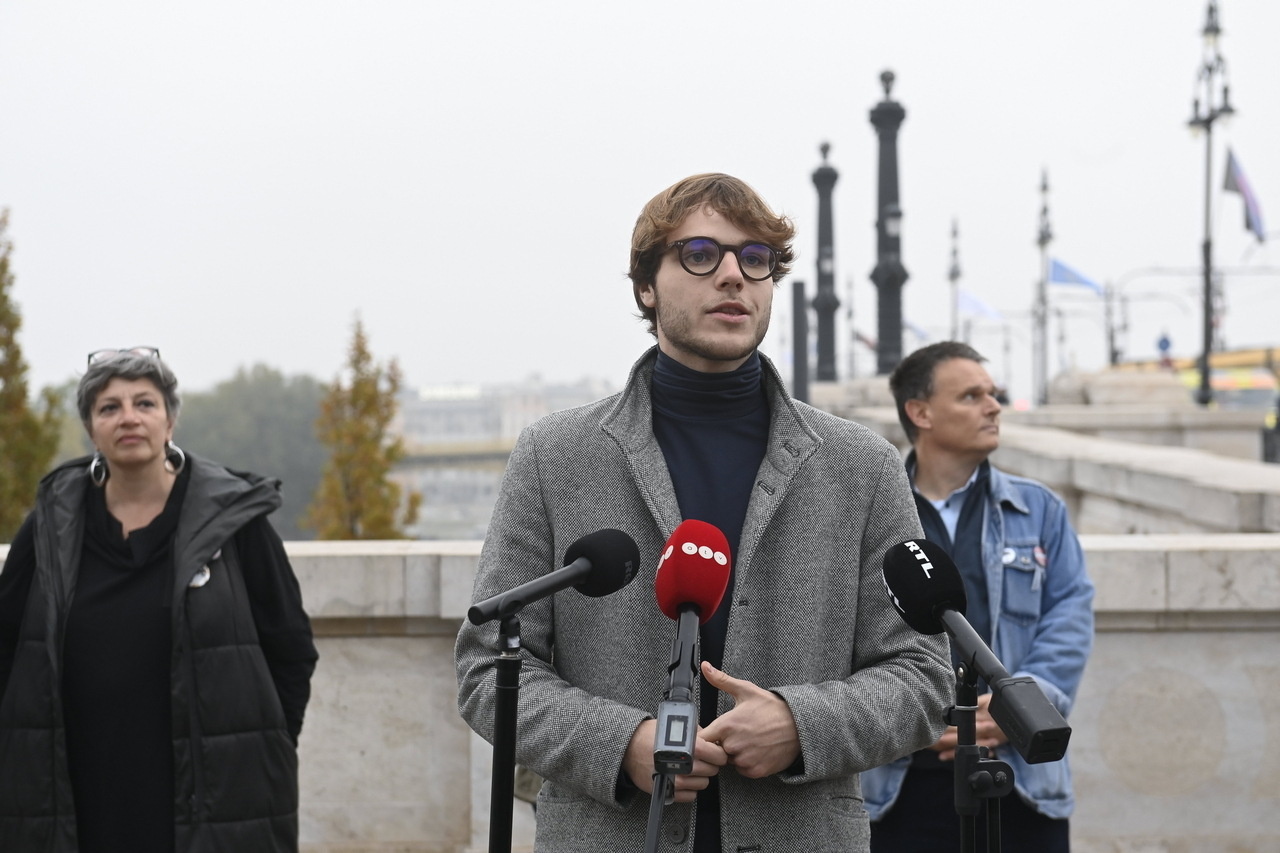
1029, 598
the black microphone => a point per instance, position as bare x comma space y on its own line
598, 564
925, 587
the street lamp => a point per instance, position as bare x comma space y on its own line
1205, 110
826, 302
889, 274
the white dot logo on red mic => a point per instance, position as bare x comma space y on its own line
666, 554
705, 552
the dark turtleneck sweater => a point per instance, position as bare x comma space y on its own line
713, 429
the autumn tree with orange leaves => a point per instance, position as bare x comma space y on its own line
356, 498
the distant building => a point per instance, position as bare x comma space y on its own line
458, 438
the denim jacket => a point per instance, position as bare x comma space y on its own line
1041, 624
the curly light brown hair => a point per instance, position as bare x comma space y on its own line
726, 195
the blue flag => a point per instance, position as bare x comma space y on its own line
1060, 273
1236, 183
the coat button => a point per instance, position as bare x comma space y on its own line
676, 833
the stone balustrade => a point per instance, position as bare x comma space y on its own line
1137, 408
1116, 486
1176, 743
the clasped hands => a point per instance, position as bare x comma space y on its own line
757, 737
986, 732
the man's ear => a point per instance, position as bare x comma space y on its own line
647, 295
918, 412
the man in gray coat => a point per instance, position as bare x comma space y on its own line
808, 675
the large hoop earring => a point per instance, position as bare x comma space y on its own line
98, 472
174, 459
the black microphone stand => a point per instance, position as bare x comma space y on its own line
506, 702
977, 777
677, 726
663, 787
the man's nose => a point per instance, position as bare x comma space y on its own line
729, 273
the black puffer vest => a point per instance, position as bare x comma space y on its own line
235, 765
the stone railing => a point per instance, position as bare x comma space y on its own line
1176, 743
1120, 487
1175, 749
1120, 406
386, 762
1233, 433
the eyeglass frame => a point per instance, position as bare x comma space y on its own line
104, 354
726, 249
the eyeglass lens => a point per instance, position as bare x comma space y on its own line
701, 256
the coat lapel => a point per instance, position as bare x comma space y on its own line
791, 443
630, 424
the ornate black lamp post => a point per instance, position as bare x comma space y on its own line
826, 302
1205, 110
889, 274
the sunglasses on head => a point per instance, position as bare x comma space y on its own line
104, 354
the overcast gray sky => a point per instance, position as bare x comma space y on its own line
235, 182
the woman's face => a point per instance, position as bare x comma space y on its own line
129, 423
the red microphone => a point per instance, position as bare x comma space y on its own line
693, 574
693, 570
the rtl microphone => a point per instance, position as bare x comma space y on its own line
925, 587
693, 574
598, 564
922, 582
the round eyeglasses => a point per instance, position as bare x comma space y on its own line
702, 256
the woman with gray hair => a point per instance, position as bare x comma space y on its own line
155, 657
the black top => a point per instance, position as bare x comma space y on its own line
115, 680
966, 552
117, 662
713, 429
966, 549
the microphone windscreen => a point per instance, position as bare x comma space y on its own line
614, 558
922, 581
693, 569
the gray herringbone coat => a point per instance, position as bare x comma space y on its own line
810, 620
